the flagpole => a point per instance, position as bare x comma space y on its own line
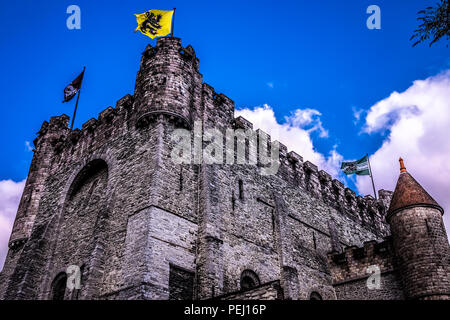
173, 21
371, 176
76, 103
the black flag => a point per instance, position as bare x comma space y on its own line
71, 90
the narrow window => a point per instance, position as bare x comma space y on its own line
273, 222
233, 201
428, 226
241, 190
181, 178
314, 240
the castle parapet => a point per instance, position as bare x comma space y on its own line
320, 184
218, 107
242, 123
166, 82
360, 262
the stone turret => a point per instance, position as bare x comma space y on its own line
420, 240
48, 140
166, 82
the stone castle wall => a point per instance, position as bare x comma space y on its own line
109, 199
355, 267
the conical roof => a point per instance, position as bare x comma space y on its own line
409, 192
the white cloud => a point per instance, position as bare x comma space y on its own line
307, 119
270, 84
10, 193
295, 133
28, 146
417, 123
357, 113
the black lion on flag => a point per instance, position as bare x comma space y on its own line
151, 24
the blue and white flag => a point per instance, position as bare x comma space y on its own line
360, 167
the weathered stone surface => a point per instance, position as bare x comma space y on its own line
110, 199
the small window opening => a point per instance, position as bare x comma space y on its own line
249, 280
314, 241
241, 190
181, 178
233, 201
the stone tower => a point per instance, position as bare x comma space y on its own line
167, 82
420, 240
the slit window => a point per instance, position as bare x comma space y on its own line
241, 190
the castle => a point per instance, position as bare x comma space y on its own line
109, 201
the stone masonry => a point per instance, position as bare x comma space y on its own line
110, 200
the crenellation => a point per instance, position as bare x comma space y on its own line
371, 208
385, 197
282, 149
339, 195
359, 261
124, 103
223, 99
208, 90
350, 194
325, 186
89, 125
43, 129
106, 115
188, 54
58, 123
297, 167
262, 136
285, 170
310, 168
362, 207
338, 187
242, 123
312, 178
324, 176
351, 205
295, 157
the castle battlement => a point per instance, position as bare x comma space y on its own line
112, 122
321, 185
306, 174
360, 262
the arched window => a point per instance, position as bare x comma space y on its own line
315, 296
59, 286
87, 189
88, 177
249, 280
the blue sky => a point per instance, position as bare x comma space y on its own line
315, 54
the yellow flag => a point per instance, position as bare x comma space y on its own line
154, 23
